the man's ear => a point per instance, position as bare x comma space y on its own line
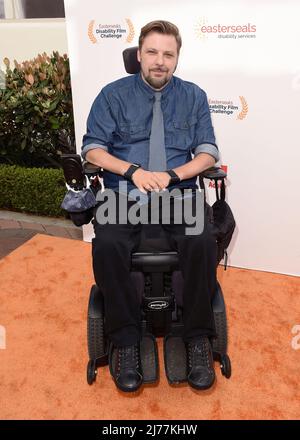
138, 54
176, 63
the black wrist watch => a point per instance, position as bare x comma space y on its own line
131, 170
174, 177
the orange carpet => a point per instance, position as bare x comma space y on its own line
44, 289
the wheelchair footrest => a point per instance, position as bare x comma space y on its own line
149, 359
175, 359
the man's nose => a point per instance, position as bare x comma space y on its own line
160, 59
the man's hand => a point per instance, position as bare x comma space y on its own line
163, 177
150, 181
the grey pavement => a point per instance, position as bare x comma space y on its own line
16, 228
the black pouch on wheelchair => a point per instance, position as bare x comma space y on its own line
82, 218
79, 204
223, 223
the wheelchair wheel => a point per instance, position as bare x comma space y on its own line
220, 343
225, 366
91, 372
96, 339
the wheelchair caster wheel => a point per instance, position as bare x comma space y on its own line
225, 366
91, 372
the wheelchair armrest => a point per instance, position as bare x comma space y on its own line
213, 173
210, 173
90, 168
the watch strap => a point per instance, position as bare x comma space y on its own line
131, 170
174, 177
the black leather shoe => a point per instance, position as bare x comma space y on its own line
128, 372
200, 364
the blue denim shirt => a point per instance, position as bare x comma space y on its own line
120, 123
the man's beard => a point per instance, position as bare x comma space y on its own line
156, 83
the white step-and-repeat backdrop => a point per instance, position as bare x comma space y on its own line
245, 55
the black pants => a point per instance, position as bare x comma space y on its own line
112, 248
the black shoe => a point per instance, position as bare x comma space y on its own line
128, 372
200, 364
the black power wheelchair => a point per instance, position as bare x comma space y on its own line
159, 283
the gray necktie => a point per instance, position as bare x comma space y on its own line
157, 150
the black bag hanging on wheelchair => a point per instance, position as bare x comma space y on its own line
223, 223
80, 199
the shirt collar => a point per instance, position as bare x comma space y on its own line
150, 91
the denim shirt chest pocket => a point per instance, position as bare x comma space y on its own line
184, 131
133, 132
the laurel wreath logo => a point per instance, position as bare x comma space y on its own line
244, 111
91, 32
199, 34
131, 31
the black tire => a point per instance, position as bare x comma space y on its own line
225, 366
220, 343
95, 326
91, 372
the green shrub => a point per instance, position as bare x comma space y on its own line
36, 113
32, 190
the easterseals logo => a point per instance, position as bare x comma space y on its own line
101, 32
236, 31
229, 108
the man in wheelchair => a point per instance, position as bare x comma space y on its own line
151, 132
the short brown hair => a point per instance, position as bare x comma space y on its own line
162, 27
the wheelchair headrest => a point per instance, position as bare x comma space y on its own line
130, 60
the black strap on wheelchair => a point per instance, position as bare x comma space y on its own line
220, 196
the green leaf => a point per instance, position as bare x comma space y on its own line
23, 144
54, 105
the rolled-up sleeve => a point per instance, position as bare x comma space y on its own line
100, 126
204, 141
